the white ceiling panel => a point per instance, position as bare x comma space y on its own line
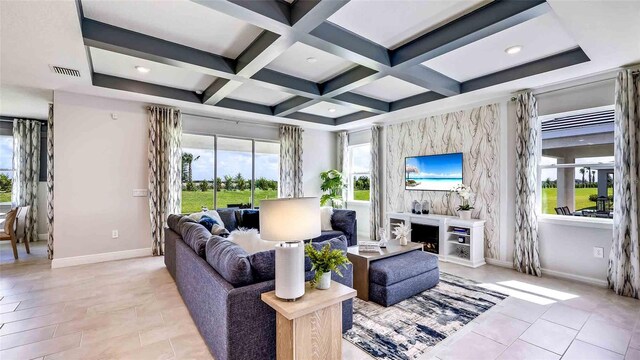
393, 23
324, 109
389, 89
124, 66
294, 62
539, 38
259, 95
180, 21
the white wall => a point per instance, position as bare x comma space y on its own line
98, 162
567, 250
318, 155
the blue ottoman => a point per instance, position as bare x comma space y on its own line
399, 277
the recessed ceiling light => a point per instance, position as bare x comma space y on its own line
332, 110
513, 50
199, 92
312, 60
142, 69
581, 140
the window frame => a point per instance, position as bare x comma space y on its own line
253, 161
350, 175
580, 220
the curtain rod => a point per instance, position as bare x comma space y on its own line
11, 118
233, 121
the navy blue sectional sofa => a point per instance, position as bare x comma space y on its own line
221, 285
343, 222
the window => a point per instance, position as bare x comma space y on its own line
245, 172
576, 166
359, 172
6, 167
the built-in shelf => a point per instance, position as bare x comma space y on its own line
470, 253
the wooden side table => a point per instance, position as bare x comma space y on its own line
310, 327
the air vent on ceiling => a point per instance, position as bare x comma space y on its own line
64, 71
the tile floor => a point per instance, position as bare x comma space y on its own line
131, 310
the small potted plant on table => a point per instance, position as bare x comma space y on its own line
323, 262
465, 194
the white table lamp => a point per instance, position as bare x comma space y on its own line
290, 221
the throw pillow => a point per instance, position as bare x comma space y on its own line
230, 261
219, 230
251, 219
250, 241
325, 218
207, 222
210, 213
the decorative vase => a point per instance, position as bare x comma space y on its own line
403, 240
464, 214
325, 281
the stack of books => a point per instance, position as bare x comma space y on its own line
368, 246
461, 231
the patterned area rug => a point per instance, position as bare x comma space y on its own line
408, 329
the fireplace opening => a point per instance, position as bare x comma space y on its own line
428, 235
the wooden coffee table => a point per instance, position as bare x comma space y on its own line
361, 261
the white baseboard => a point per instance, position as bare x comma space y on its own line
96, 258
553, 273
573, 277
501, 263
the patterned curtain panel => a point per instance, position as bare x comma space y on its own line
375, 213
526, 257
165, 133
26, 165
50, 183
624, 259
291, 162
342, 163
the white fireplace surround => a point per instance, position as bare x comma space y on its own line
447, 242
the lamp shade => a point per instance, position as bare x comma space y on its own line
292, 219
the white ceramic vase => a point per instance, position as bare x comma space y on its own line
325, 281
464, 214
403, 240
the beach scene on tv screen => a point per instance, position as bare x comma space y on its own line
433, 172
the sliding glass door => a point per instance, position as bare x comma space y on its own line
222, 172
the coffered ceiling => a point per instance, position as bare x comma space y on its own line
328, 62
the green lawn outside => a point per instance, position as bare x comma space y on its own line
193, 201
550, 199
362, 195
5, 197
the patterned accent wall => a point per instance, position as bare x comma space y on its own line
473, 132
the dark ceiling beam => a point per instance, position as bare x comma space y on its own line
218, 90
415, 100
112, 82
123, 41
312, 118
245, 106
333, 34
293, 105
429, 79
348, 80
481, 23
364, 103
287, 83
550, 63
353, 117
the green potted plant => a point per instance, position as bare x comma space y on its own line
323, 262
465, 194
332, 185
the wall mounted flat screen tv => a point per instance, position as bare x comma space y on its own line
433, 172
